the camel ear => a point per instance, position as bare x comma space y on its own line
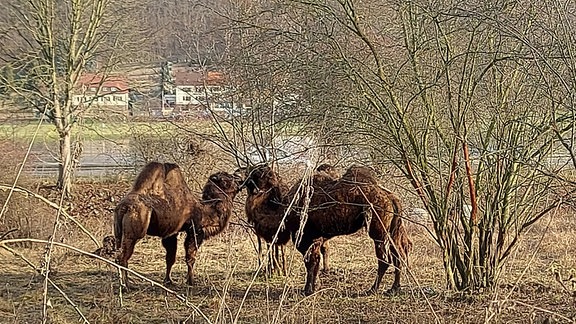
215, 178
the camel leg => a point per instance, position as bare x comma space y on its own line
383, 265
399, 255
397, 270
283, 259
192, 244
269, 259
312, 262
279, 259
325, 250
259, 251
276, 259
125, 255
171, 245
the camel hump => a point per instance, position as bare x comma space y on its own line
174, 176
150, 179
327, 170
170, 166
360, 174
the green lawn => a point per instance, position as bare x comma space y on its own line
93, 130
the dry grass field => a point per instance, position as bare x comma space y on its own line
227, 288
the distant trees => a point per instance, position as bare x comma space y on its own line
183, 30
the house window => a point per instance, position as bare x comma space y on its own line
187, 98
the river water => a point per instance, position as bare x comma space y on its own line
108, 158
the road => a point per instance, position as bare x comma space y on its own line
98, 158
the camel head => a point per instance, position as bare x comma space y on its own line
222, 183
260, 178
328, 170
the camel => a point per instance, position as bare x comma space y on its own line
264, 211
161, 204
265, 208
341, 207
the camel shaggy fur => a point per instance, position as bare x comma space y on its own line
266, 206
341, 207
161, 204
264, 211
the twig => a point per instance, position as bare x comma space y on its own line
538, 309
48, 257
558, 278
242, 225
532, 258
7, 233
13, 187
53, 205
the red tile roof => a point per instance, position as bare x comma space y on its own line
91, 80
197, 78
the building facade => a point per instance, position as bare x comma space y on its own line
109, 94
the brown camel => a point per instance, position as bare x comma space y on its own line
342, 207
325, 174
161, 204
265, 208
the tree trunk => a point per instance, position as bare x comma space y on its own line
65, 165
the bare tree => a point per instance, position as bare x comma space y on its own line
48, 45
457, 96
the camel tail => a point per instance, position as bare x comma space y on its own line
118, 216
404, 243
396, 205
400, 236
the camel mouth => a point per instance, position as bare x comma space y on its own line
242, 185
251, 174
250, 186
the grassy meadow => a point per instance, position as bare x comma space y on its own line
87, 130
229, 289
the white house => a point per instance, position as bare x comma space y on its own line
108, 94
197, 89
